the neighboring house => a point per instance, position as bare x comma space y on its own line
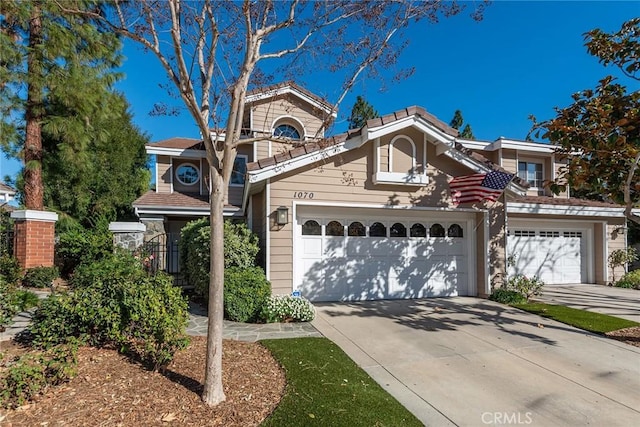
368, 214
7, 193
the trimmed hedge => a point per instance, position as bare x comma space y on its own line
240, 250
245, 293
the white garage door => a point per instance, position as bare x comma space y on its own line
555, 256
351, 259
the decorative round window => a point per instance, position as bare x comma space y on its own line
187, 174
286, 131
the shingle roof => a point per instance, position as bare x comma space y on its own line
411, 111
175, 200
179, 143
571, 201
296, 87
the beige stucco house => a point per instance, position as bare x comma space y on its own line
368, 214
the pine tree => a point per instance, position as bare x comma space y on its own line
361, 112
457, 121
467, 133
48, 57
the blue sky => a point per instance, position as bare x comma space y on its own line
523, 58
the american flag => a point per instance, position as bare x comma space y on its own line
478, 187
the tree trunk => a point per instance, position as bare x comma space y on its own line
213, 392
33, 186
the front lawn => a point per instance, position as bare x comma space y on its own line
326, 388
587, 320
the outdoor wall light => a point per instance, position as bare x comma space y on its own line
282, 215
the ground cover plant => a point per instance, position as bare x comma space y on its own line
629, 280
587, 320
326, 388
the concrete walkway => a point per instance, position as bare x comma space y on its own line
198, 327
618, 302
471, 362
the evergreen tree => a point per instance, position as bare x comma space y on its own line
457, 121
111, 174
50, 58
361, 112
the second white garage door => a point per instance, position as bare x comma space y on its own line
352, 259
555, 255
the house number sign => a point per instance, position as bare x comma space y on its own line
302, 195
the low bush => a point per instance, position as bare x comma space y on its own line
145, 316
78, 245
25, 300
10, 269
113, 267
629, 280
286, 308
245, 293
526, 286
240, 250
40, 277
507, 296
8, 307
34, 372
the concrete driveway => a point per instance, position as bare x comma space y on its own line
619, 302
471, 362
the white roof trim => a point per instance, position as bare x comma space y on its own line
543, 209
414, 120
176, 152
289, 90
182, 210
536, 147
296, 162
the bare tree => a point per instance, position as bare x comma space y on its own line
211, 51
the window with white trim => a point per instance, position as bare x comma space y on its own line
287, 131
573, 234
524, 233
549, 234
187, 174
531, 172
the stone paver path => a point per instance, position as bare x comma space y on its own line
248, 331
198, 327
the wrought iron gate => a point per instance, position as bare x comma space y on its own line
162, 253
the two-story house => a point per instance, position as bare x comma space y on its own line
368, 214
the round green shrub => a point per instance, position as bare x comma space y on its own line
245, 292
78, 245
112, 267
629, 280
506, 296
240, 250
40, 277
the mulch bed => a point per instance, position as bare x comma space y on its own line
628, 335
110, 390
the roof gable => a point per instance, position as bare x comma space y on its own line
292, 89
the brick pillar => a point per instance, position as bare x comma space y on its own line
34, 236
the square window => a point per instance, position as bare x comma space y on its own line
531, 172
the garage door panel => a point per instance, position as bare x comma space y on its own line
335, 268
549, 255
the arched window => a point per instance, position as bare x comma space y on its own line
454, 231
311, 228
356, 229
402, 155
286, 131
436, 230
377, 229
334, 228
398, 230
418, 230
187, 174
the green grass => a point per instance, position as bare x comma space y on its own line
587, 320
326, 388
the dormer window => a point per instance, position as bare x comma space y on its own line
286, 131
